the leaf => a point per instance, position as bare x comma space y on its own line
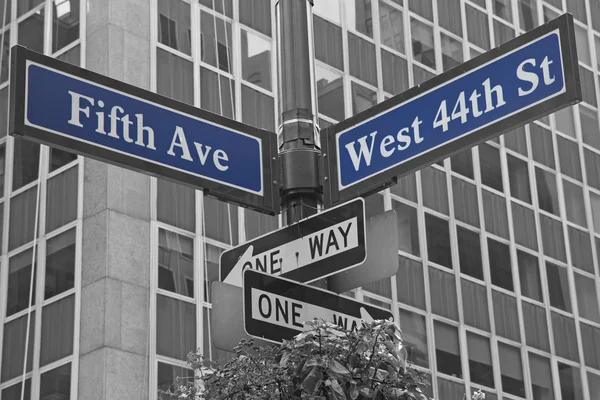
336, 391
338, 371
284, 360
313, 380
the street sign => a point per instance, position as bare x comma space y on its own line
316, 247
522, 80
64, 106
276, 308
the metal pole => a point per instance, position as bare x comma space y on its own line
298, 144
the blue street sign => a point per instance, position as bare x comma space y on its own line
61, 105
524, 79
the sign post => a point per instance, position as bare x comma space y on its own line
530, 76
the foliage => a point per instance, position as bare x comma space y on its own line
325, 362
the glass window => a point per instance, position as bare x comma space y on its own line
449, 16
414, 330
329, 9
502, 9
60, 264
13, 347
452, 53
443, 293
409, 283
568, 153
65, 23
22, 218
583, 45
592, 165
558, 286
216, 45
469, 252
547, 191
541, 377
466, 207
506, 315
359, 16
574, 203
219, 5
175, 204
19, 283
528, 16
60, 158
565, 122
589, 126
258, 224
5, 65
406, 187
330, 88
175, 327
258, 109
519, 179
25, 5
587, 300
61, 199
536, 326
218, 92
362, 59
256, 59
590, 336
581, 249
587, 85
175, 262
593, 382
530, 275
14, 391
438, 240
31, 31
212, 255
491, 168
516, 140
26, 158
447, 350
570, 382
328, 47
256, 14
173, 77
424, 8
58, 320
71, 56
408, 228
502, 33
422, 43
5, 6
477, 28
541, 145
174, 29
553, 238
597, 45
394, 73
166, 377
2, 171
480, 360
595, 14
56, 384
511, 370
421, 75
524, 226
577, 7
435, 190
462, 163
475, 305
500, 267
496, 216
362, 98
392, 27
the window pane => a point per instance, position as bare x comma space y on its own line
530, 275
217, 94
359, 16
415, 337
496, 216
511, 369
541, 377
564, 121
541, 145
438, 240
516, 140
583, 45
447, 350
62, 199
329, 9
449, 16
558, 287
443, 293
25, 163
362, 98
574, 203
519, 179
570, 382
435, 190
58, 320
590, 336
22, 218
65, 23
502, 33
568, 153
211, 255
60, 158
330, 88
328, 47
536, 326
221, 220
500, 269
408, 229
31, 31
524, 226
257, 224
14, 391
422, 43
592, 165
166, 377
215, 44
587, 300
503, 9
175, 262
589, 127
173, 77
581, 249
477, 28
466, 206
218, 6
597, 45
256, 60
175, 327
469, 252
462, 163
421, 75
5, 18
362, 59
475, 305
256, 14
392, 27
175, 204
480, 360
587, 85
257, 109
406, 187
5, 65
593, 382
452, 54
528, 16
424, 8
2, 172
547, 191
13, 347
56, 384
71, 56
409, 283
19, 283
553, 238
394, 73
60, 264
491, 169
505, 315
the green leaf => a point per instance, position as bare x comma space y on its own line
338, 371
313, 380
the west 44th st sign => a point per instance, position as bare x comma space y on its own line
506, 87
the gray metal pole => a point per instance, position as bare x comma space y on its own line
298, 146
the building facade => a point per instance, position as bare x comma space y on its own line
105, 273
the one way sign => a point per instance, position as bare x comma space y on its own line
314, 248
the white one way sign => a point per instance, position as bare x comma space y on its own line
316, 247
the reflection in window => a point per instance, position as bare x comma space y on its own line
491, 169
469, 252
480, 360
256, 14
583, 45
394, 73
60, 264
502, 33
61, 199
218, 6
408, 230
175, 262
409, 282
462, 163
587, 300
549, 14
570, 382
13, 347
519, 179
175, 327
564, 121
529, 274
221, 220
574, 203
449, 16
452, 53
528, 16
392, 27
257, 109
25, 5
359, 16
503, 9
217, 94
329, 9
447, 350
19, 283
547, 191
60, 158
56, 384
328, 46
438, 241
500, 267
568, 154
256, 60
466, 206
362, 59
362, 98
511, 370
173, 77
581, 249
330, 88
26, 158
65, 23
424, 8
166, 377
421, 75
422, 43
477, 28
31, 32
58, 322
415, 337
5, 60
216, 45
175, 204
22, 218
558, 286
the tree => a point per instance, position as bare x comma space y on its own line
325, 362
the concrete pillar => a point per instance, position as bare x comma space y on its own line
114, 350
